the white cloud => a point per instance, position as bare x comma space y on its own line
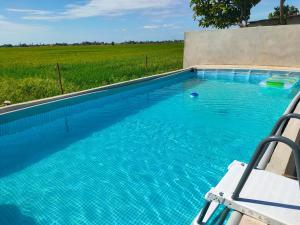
95, 8
166, 26
30, 11
12, 32
8, 26
171, 26
168, 13
165, 13
151, 27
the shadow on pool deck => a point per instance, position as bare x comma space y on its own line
11, 215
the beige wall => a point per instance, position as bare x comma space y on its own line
264, 46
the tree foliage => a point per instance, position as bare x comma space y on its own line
222, 13
287, 11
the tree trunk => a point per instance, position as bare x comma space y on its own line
282, 12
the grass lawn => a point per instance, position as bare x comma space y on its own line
30, 73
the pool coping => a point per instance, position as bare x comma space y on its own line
23, 105
247, 67
28, 104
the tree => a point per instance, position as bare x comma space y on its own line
222, 13
281, 11
287, 11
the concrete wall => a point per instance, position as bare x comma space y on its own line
293, 20
264, 46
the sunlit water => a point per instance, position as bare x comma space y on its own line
140, 156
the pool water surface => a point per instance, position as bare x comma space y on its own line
144, 154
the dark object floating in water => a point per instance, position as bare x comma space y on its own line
194, 95
223, 111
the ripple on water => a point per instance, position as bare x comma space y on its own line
148, 159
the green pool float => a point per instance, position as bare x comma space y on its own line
280, 81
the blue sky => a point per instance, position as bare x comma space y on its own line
40, 21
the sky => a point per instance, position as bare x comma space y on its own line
41, 21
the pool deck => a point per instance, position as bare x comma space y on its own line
281, 162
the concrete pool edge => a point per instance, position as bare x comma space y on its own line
247, 67
28, 104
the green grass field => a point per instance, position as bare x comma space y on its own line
30, 73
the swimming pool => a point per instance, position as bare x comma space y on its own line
140, 154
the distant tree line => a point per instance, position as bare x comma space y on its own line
85, 43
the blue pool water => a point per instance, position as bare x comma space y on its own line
142, 154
